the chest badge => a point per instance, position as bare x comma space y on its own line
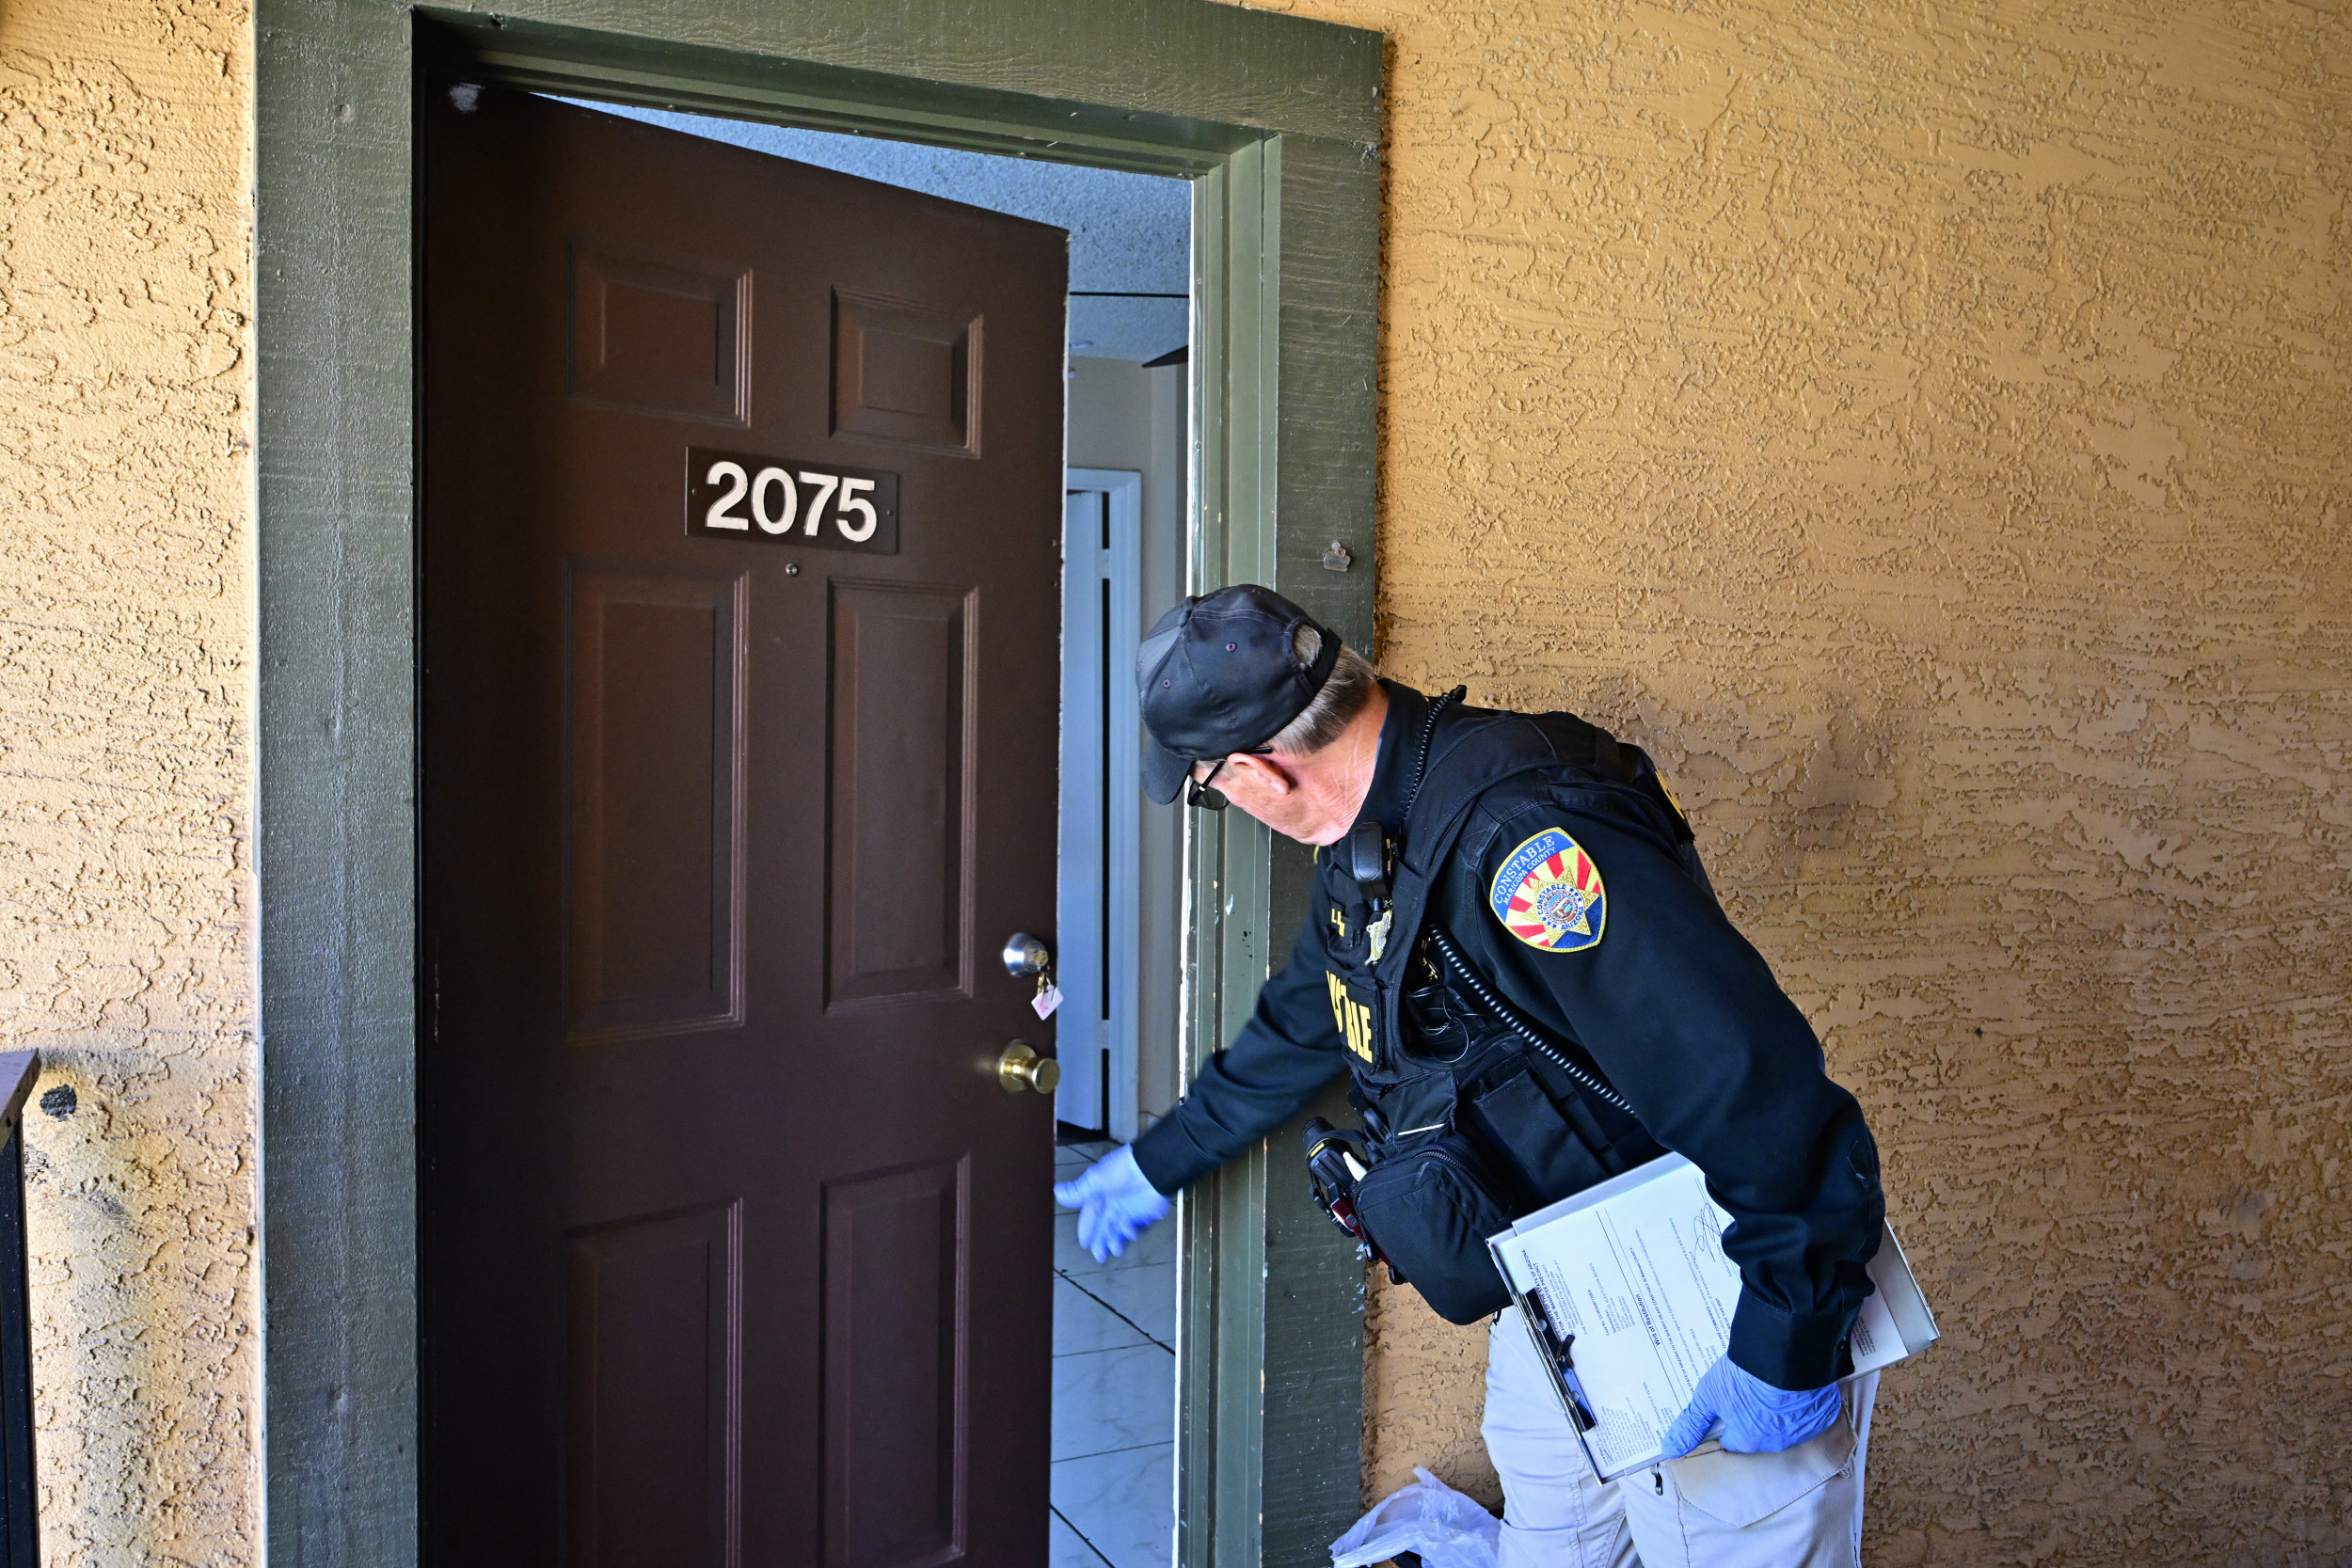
1549, 895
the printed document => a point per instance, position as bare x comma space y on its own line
1630, 1282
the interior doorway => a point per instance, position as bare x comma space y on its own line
1118, 931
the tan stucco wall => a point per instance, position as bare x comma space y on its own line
1925, 428
1930, 430
125, 672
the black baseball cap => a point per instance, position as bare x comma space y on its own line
1217, 675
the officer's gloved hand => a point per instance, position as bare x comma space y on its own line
1114, 1203
1756, 1416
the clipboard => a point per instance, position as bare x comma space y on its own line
1633, 1242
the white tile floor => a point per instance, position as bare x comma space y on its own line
1114, 1394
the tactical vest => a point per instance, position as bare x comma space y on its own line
1469, 1125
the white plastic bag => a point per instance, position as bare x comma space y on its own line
1447, 1529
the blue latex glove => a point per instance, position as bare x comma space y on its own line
1115, 1203
1756, 1416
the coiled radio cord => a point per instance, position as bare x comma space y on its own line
1587, 1078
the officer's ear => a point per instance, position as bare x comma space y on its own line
1265, 771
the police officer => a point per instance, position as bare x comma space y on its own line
1514, 950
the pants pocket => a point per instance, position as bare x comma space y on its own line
1740, 1489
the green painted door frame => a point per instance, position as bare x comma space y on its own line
1276, 122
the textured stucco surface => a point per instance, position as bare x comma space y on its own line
1930, 430
1926, 428
125, 630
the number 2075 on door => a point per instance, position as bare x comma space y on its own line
782, 501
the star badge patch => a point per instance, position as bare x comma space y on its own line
1549, 895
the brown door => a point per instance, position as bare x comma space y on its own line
742, 481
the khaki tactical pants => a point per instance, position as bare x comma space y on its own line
1802, 1508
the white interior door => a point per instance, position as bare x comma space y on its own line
1097, 936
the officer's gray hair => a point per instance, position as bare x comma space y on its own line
1344, 694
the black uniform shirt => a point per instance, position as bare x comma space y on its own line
1677, 1007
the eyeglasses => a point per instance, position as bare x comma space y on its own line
1199, 794
1197, 791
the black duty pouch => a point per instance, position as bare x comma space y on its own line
1535, 1141
1429, 1209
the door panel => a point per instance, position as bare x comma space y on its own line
655, 1318
659, 336
906, 374
900, 812
652, 835
730, 1235
898, 1440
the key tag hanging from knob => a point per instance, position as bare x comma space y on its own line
1025, 955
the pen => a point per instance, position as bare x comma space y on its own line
1561, 1346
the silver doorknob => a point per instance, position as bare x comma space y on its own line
1024, 955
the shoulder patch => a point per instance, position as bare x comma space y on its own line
1547, 893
